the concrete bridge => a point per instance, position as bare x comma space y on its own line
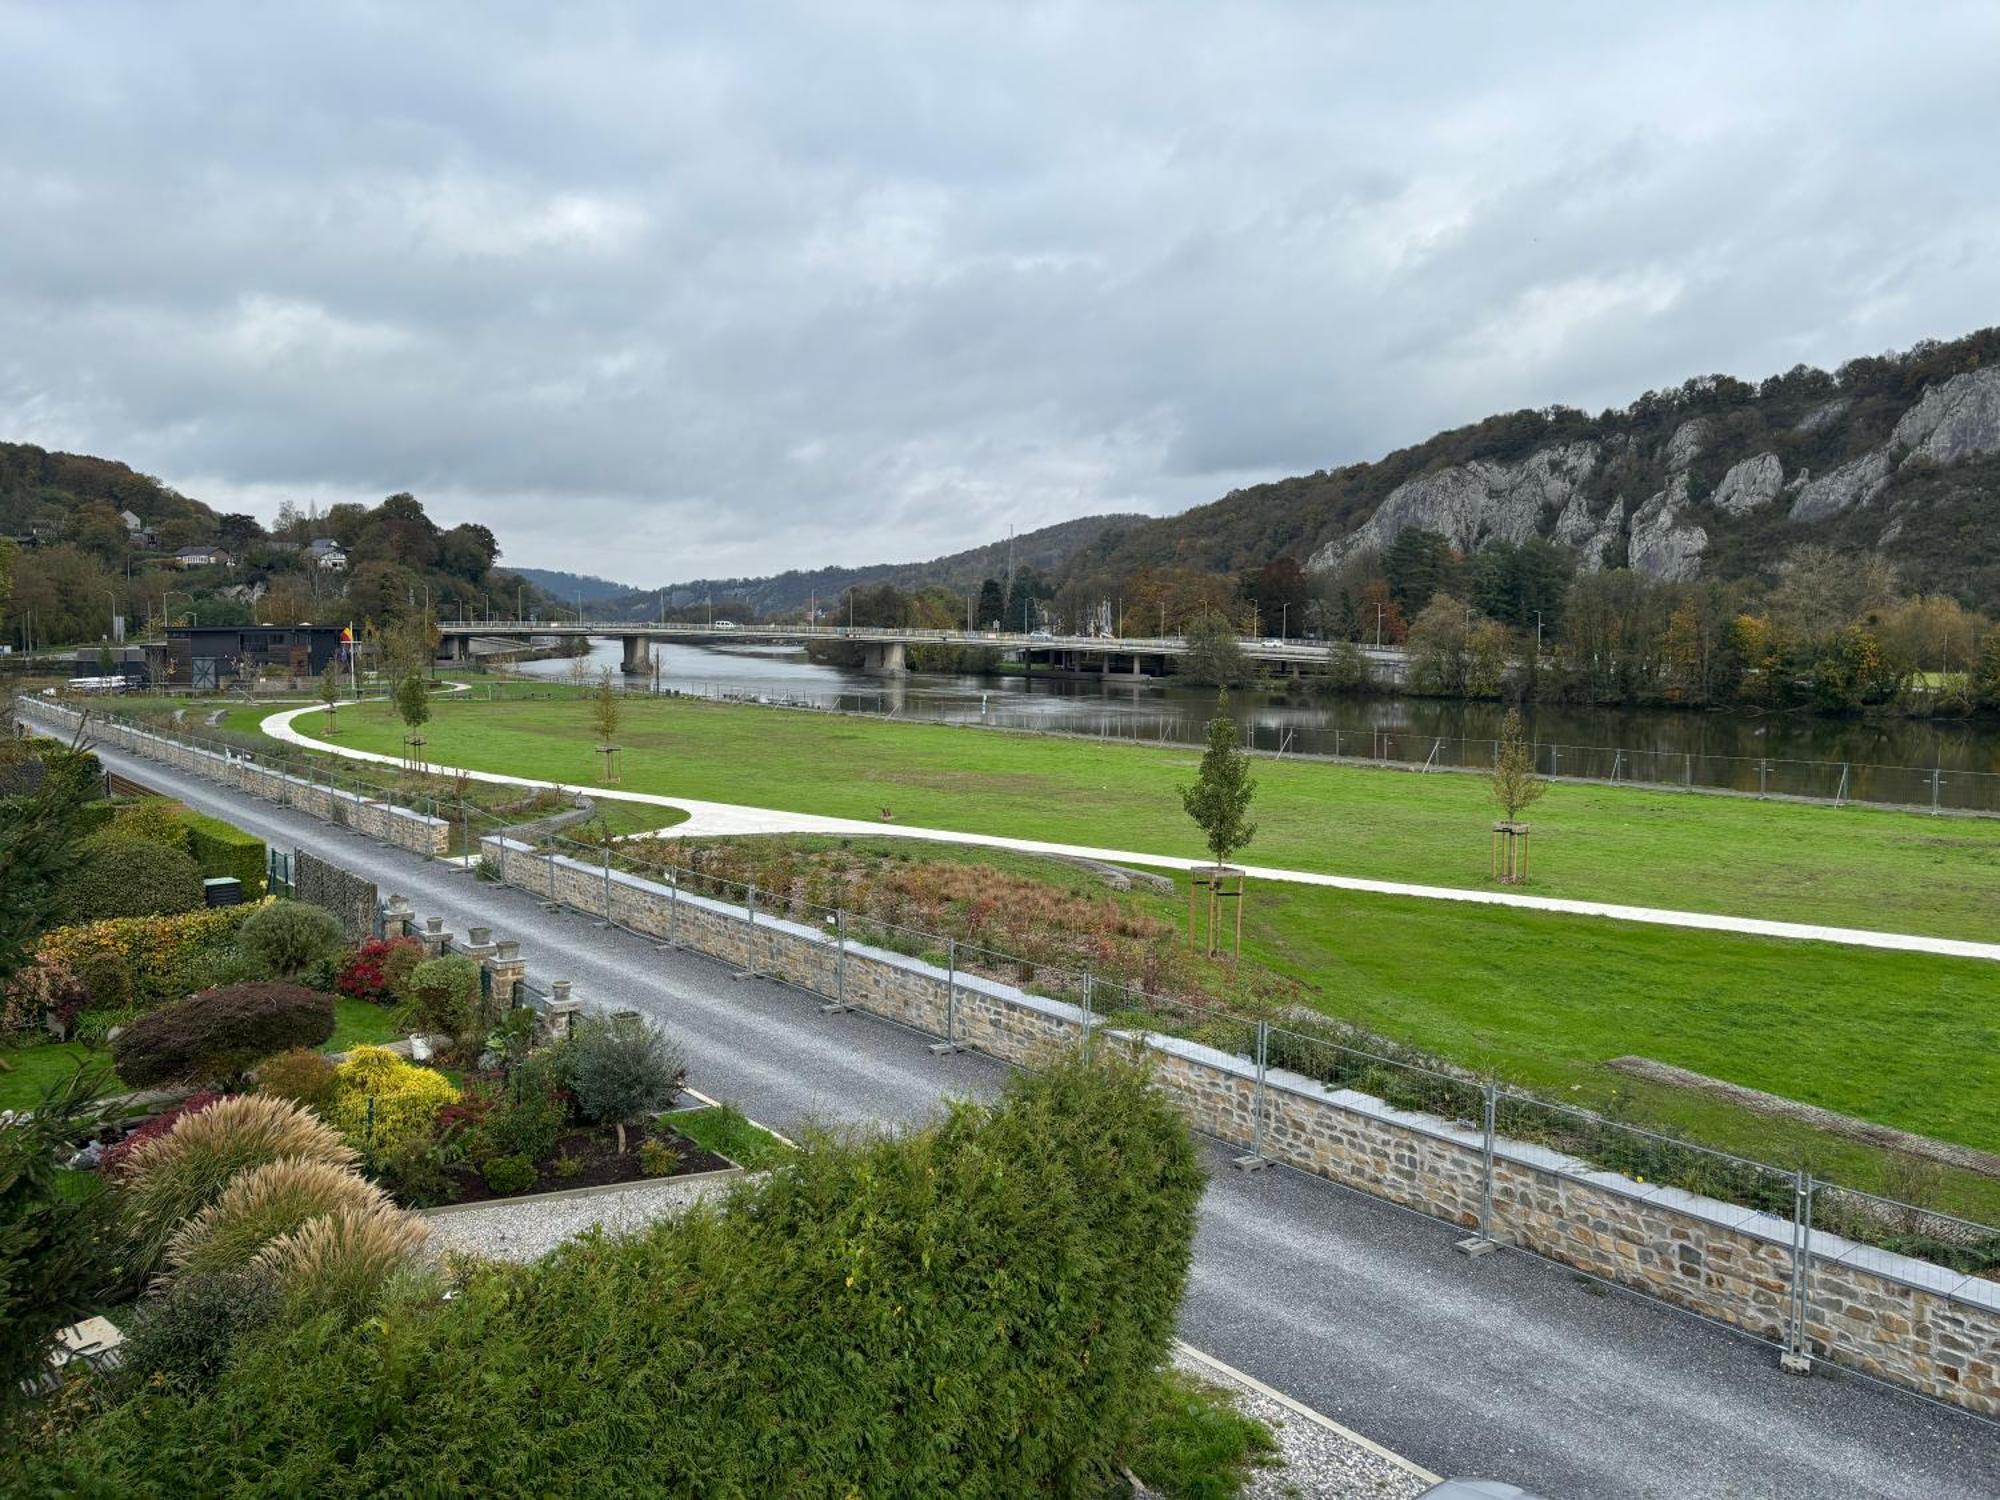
884, 649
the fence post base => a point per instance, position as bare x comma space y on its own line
1251, 1163
1795, 1364
1476, 1246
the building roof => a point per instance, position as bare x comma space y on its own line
209, 551
324, 544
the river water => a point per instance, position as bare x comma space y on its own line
1952, 764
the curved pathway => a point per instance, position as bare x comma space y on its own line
722, 819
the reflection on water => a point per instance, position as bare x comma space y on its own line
1952, 764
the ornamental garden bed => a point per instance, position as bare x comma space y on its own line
589, 1158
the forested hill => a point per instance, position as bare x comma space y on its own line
1718, 478
1044, 551
567, 588
43, 493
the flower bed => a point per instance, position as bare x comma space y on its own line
595, 1161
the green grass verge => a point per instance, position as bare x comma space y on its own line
1854, 866
723, 1130
1196, 1444
357, 1023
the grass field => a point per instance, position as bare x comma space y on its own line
1852, 866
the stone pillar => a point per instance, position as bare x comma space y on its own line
434, 937
507, 967
561, 1011
478, 944
886, 658
637, 661
397, 921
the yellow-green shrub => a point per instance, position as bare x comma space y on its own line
137, 963
406, 1097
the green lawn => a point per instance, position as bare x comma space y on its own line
31, 1069
1852, 866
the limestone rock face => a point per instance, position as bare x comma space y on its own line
1821, 416
1685, 446
1576, 527
1474, 503
1853, 483
1754, 482
1959, 419
1664, 546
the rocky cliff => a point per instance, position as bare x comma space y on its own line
1717, 478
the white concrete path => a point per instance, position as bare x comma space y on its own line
723, 819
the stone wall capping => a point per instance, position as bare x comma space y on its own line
1921, 1274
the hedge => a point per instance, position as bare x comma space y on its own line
975, 1309
220, 1033
221, 849
137, 963
122, 876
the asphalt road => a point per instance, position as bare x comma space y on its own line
1504, 1367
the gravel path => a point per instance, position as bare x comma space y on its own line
528, 1228
1321, 1459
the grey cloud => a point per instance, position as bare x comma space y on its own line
662, 293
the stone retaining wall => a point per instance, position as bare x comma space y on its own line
1902, 1320
378, 819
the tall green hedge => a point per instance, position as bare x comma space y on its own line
973, 1309
221, 849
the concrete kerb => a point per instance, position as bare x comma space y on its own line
566, 1195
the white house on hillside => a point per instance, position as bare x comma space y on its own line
327, 555
201, 557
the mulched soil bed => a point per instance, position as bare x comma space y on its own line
602, 1165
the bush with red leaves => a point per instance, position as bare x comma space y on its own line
372, 971
220, 1033
114, 1156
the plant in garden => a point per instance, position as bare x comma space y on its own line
121, 876
658, 1159
57, 1248
338, 1262
382, 1103
299, 1074
1019, 1265
114, 1158
46, 994
141, 962
286, 938
183, 1336
621, 1069
39, 838
156, 820
1196, 1443
261, 1204
176, 1175
377, 970
220, 1033
329, 694
508, 1174
443, 996
533, 1116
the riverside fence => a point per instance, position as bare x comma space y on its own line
1814, 1268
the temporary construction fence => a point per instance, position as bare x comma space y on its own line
1817, 1269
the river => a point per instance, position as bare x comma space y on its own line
1949, 764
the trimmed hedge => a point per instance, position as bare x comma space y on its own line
120, 876
137, 963
975, 1309
221, 849
219, 1033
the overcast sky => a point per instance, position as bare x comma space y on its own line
659, 291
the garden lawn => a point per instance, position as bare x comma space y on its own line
30, 1070
1862, 867
357, 1023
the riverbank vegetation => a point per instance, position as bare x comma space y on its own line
1850, 866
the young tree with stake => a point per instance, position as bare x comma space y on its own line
607, 711
1219, 800
1516, 787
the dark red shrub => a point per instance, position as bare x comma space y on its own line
114, 1156
369, 972
220, 1032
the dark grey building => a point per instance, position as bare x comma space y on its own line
216, 656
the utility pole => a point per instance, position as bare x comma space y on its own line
1378, 627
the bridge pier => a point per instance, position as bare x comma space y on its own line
638, 660
886, 658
